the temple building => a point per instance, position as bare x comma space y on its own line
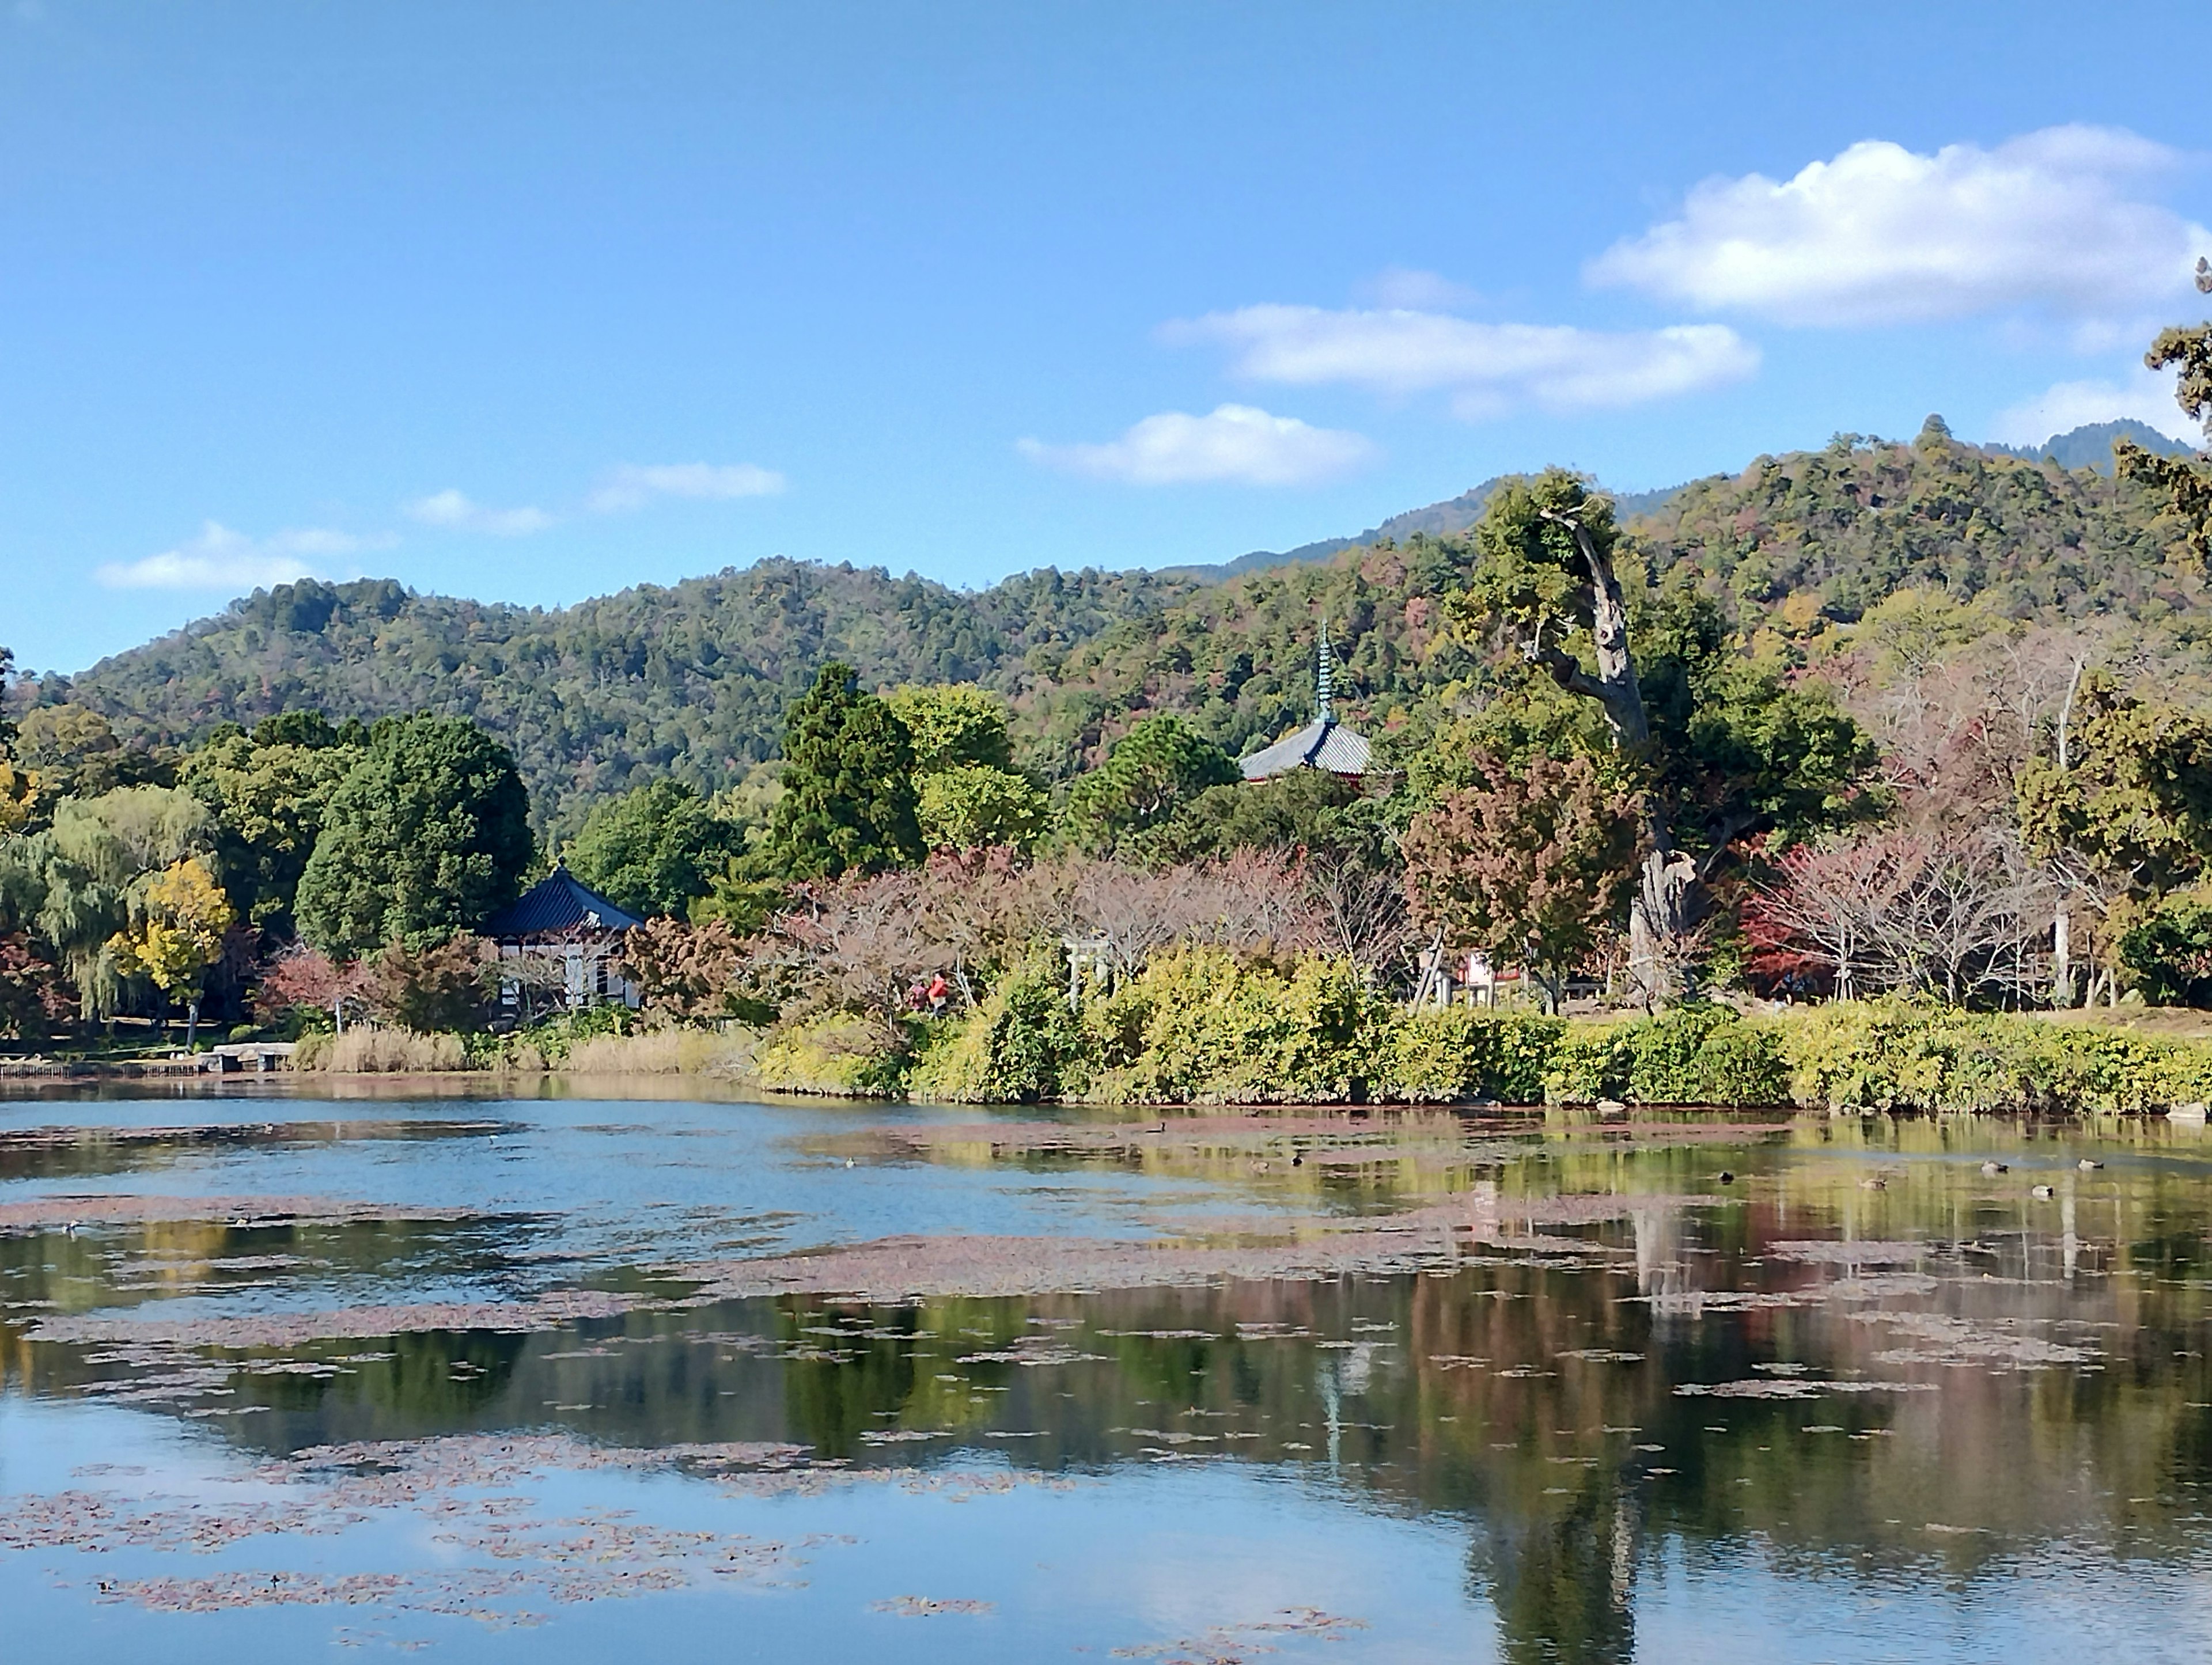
1323, 744
559, 944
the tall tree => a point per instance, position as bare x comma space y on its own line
428, 833
71, 886
2187, 482
954, 723
654, 849
268, 790
1717, 745
848, 797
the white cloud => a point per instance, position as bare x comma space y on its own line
454, 509
2053, 220
1424, 291
1235, 442
221, 559
2145, 395
1489, 367
632, 485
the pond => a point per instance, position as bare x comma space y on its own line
617, 1368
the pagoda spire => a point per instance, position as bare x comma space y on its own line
1324, 684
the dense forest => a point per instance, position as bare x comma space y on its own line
692, 680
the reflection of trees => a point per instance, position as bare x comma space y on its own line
1496, 1394
1561, 1583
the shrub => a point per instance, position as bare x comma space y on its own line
1449, 1056
840, 1056
2168, 952
1740, 1063
1589, 1062
1021, 1045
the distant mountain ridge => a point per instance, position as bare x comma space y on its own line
692, 679
2090, 445
1444, 519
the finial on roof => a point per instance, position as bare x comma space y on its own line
1324, 686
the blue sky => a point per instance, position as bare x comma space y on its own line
530, 302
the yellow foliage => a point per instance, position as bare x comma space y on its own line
180, 935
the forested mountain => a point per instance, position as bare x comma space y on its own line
2090, 445
1454, 514
692, 680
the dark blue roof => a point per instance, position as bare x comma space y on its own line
556, 904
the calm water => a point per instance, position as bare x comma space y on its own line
493, 1377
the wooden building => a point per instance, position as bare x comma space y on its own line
558, 944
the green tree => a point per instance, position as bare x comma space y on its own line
2185, 482
427, 834
974, 806
2135, 798
953, 724
1528, 866
849, 798
268, 790
654, 849
1307, 810
1151, 772
1715, 745
72, 884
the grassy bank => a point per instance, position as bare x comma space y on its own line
1204, 1026
551, 1047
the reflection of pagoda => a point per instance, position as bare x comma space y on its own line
1323, 744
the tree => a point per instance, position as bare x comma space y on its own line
31, 994
848, 799
1715, 745
438, 986
952, 724
2187, 482
1527, 867
301, 976
268, 790
1152, 771
975, 805
684, 973
2134, 799
73, 752
653, 850
427, 834
176, 934
1955, 913
71, 886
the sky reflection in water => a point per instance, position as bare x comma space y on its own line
1864, 1401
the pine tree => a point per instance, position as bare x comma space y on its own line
848, 797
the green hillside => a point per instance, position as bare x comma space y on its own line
692, 679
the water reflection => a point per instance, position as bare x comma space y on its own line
1859, 1359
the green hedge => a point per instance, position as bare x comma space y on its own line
1203, 1026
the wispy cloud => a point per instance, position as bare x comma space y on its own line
2055, 220
1489, 369
1419, 291
455, 509
633, 485
2144, 395
1236, 443
219, 558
